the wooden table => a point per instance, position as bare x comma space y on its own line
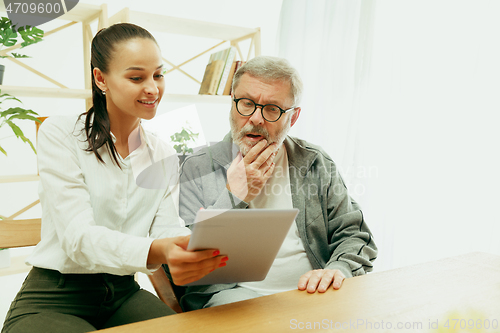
458, 291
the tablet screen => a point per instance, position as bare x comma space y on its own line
251, 238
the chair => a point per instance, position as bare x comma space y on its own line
166, 290
22, 233
18, 233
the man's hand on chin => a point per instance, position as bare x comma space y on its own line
320, 280
247, 175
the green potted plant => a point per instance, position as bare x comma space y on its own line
9, 37
182, 139
7, 117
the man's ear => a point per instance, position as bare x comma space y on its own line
99, 79
295, 116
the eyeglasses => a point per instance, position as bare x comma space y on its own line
270, 112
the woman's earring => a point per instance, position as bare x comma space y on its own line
104, 92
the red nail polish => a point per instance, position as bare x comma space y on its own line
224, 259
216, 253
222, 264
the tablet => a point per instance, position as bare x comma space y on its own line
251, 238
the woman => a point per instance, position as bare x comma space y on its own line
98, 205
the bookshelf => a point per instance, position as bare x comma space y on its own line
83, 14
224, 34
19, 91
86, 15
18, 178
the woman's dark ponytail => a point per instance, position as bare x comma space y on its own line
97, 126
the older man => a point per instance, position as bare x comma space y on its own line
258, 166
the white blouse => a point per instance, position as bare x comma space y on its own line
96, 217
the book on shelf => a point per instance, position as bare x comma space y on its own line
217, 72
231, 56
234, 67
211, 78
229, 81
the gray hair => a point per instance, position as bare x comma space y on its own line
269, 69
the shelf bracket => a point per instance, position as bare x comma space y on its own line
37, 72
31, 205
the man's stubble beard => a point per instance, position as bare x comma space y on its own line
239, 136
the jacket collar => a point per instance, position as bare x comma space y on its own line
299, 156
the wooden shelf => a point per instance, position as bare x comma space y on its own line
188, 27
46, 92
82, 13
88, 13
185, 98
17, 265
20, 91
19, 178
176, 25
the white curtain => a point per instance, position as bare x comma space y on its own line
404, 95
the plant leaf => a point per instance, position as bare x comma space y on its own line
17, 111
17, 55
31, 145
182, 137
30, 35
21, 112
9, 97
178, 148
19, 133
8, 37
3, 150
25, 117
5, 23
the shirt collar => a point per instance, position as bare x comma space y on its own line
145, 137
113, 137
